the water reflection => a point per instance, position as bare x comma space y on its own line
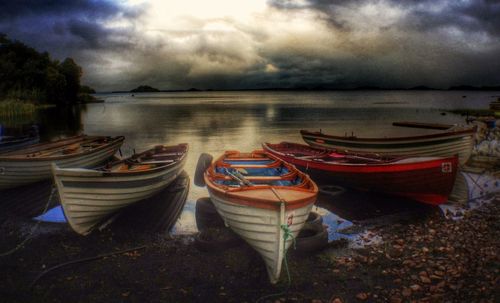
55, 122
213, 122
52, 122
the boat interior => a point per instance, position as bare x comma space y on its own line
305, 152
159, 156
254, 170
67, 146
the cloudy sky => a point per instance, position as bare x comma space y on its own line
224, 44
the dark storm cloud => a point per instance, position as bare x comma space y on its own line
10, 10
472, 16
338, 44
76, 28
477, 15
64, 28
435, 43
326, 8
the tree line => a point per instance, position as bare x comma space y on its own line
28, 75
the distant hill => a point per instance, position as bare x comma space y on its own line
469, 87
145, 89
421, 87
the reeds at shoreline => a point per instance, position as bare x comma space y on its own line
14, 108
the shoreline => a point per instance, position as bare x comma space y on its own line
426, 259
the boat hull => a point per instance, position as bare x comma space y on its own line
441, 145
428, 180
427, 185
268, 205
260, 228
89, 196
17, 172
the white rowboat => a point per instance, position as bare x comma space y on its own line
89, 196
33, 164
455, 141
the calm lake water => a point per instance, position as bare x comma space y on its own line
213, 122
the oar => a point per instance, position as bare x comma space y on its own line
239, 177
437, 126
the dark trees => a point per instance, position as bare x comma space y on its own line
28, 75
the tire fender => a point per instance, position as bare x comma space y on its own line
314, 218
332, 190
203, 244
311, 238
204, 162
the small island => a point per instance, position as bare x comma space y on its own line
145, 89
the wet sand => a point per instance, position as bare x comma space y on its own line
423, 258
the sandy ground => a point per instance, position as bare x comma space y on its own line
423, 259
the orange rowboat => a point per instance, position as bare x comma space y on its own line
263, 199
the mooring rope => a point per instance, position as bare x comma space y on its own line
102, 256
33, 229
286, 235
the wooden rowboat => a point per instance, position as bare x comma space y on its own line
33, 164
456, 140
89, 196
263, 199
425, 179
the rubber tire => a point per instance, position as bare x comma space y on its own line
206, 215
314, 219
311, 238
332, 190
204, 162
216, 246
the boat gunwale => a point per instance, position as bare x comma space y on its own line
37, 147
293, 171
12, 156
107, 173
469, 131
423, 162
307, 186
230, 197
14, 139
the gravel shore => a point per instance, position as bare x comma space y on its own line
428, 259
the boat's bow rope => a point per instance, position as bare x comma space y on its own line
287, 233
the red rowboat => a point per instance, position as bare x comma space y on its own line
425, 179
